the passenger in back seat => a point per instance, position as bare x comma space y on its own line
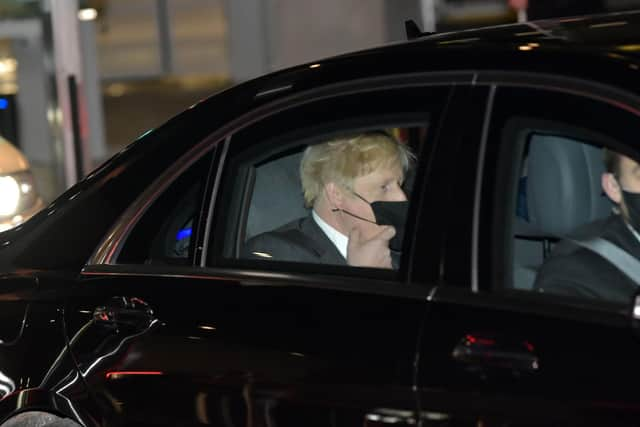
574, 269
353, 184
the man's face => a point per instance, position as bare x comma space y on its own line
380, 185
629, 178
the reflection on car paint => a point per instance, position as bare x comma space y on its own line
7, 385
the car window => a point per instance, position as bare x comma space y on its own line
309, 188
547, 185
164, 233
278, 222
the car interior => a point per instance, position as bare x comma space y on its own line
559, 190
276, 196
273, 192
171, 220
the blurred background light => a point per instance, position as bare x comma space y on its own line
88, 14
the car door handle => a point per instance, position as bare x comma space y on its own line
386, 416
515, 355
124, 311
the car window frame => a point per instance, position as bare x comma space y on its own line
294, 140
515, 300
101, 263
344, 272
108, 250
508, 181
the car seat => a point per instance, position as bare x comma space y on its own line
277, 196
563, 192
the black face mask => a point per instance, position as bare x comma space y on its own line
632, 201
387, 213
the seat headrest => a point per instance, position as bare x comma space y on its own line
277, 195
564, 184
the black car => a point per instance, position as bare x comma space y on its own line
128, 302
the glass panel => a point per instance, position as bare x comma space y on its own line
338, 198
567, 209
164, 233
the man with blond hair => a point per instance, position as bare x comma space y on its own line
353, 185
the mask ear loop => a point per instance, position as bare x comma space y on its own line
360, 197
352, 214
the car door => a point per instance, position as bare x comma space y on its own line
495, 350
36, 370
188, 333
15, 312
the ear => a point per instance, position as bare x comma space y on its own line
334, 195
612, 188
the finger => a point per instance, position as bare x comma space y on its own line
386, 233
354, 236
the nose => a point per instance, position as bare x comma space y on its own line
398, 195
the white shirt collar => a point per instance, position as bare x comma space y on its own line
337, 238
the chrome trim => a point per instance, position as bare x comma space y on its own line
475, 227
274, 90
212, 202
110, 247
432, 293
265, 278
539, 30
391, 416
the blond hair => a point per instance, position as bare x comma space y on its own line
342, 159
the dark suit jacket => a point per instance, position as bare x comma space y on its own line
301, 240
577, 271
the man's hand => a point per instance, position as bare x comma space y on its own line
370, 253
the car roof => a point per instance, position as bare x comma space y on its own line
611, 31
603, 48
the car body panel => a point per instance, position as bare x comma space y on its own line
37, 371
515, 365
229, 346
196, 345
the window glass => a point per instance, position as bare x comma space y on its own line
165, 233
292, 216
558, 191
328, 185
561, 198
305, 202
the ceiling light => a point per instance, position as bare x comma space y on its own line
88, 14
